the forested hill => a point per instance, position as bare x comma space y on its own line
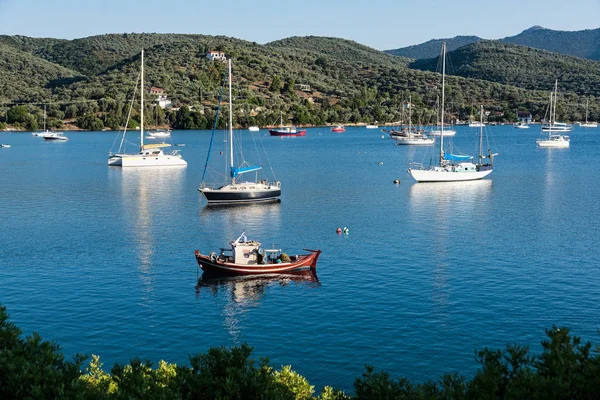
334, 49
313, 80
520, 66
432, 47
584, 44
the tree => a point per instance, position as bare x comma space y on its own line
17, 114
184, 119
275, 85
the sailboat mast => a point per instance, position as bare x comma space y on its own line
142, 104
409, 116
230, 123
480, 134
45, 117
442, 106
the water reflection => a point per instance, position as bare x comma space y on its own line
148, 196
258, 220
446, 213
243, 292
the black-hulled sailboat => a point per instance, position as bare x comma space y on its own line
236, 190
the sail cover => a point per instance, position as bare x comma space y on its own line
242, 170
456, 157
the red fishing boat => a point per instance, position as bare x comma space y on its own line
249, 258
338, 128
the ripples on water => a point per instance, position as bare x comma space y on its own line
101, 259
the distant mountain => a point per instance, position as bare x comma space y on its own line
520, 66
584, 44
432, 48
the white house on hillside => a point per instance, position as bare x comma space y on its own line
162, 100
216, 55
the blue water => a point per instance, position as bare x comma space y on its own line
101, 260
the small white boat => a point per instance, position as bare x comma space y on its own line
521, 125
254, 129
4, 145
554, 129
587, 124
556, 141
55, 136
372, 127
474, 124
557, 127
438, 132
159, 134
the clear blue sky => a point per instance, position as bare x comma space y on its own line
381, 24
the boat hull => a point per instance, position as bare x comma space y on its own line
139, 160
275, 132
227, 195
442, 175
414, 142
553, 144
301, 262
449, 132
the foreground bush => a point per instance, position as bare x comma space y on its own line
31, 368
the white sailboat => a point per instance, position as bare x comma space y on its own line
51, 135
437, 130
236, 191
451, 167
410, 136
554, 138
587, 124
149, 155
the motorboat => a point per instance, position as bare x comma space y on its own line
247, 257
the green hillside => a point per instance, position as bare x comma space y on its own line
432, 47
584, 44
313, 80
25, 78
521, 66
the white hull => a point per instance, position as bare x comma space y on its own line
254, 129
446, 174
553, 143
557, 128
414, 142
159, 134
476, 125
372, 127
449, 132
142, 160
589, 125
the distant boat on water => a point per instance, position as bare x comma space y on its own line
587, 124
286, 130
521, 125
554, 129
453, 167
254, 129
372, 126
233, 190
338, 128
149, 155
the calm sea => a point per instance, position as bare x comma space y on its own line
101, 260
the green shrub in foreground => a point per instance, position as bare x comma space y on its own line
31, 368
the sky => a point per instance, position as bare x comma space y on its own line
381, 24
